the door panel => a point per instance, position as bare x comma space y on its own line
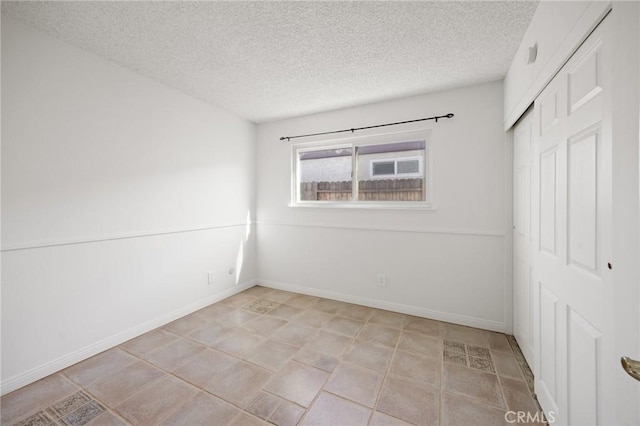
582, 209
582, 361
583, 81
548, 201
572, 224
548, 351
522, 237
548, 112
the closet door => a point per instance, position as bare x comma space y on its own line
572, 238
522, 236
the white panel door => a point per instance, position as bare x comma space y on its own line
522, 237
572, 293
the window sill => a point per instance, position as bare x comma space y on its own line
363, 205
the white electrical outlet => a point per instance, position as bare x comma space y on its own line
382, 280
210, 278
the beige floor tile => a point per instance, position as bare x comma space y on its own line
517, 395
174, 354
419, 405
472, 384
424, 326
329, 343
237, 317
201, 368
296, 334
68, 404
84, 414
297, 382
370, 355
355, 383
148, 342
284, 312
203, 409
313, 318
238, 343
506, 365
280, 296
478, 352
272, 354
468, 335
212, 312
260, 306
381, 419
185, 325
287, 414
212, 333
499, 342
388, 319
344, 326
416, 368
483, 364
239, 383
107, 419
331, 410
315, 359
156, 402
245, 419
328, 306
420, 344
121, 384
258, 291
34, 397
39, 418
356, 312
455, 357
301, 301
264, 405
453, 346
86, 372
459, 411
379, 334
238, 300
264, 326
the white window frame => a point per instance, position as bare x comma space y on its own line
395, 167
354, 142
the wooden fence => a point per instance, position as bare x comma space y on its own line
368, 190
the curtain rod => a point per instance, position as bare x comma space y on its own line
436, 118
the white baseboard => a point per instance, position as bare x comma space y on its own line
390, 306
72, 358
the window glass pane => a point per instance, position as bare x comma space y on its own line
408, 166
391, 172
383, 168
325, 175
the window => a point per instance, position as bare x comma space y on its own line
382, 170
398, 167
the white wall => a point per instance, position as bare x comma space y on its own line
451, 264
625, 110
119, 194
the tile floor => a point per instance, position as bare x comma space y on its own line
285, 358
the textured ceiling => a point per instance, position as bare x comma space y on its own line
271, 60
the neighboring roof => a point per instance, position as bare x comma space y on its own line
363, 150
